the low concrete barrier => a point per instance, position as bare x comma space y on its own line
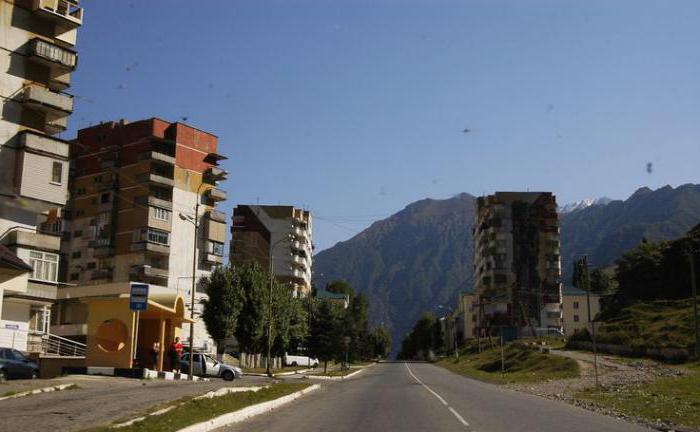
248, 412
664, 354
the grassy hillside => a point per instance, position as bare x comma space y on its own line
656, 325
522, 364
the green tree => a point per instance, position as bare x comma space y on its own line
340, 287
250, 331
420, 341
222, 308
380, 342
601, 282
326, 332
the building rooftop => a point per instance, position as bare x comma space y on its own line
8, 259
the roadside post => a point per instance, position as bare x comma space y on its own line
693, 284
503, 357
138, 301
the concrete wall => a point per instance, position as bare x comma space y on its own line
574, 306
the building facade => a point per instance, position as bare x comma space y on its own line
517, 269
287, 230
575, 309
131, 217
37, 39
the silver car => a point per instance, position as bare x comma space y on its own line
206, 366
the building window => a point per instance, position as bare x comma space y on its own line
161, 214
216, 248
152, 235
576, 318
157, 236
105, 198
80, 191
45, 266
57, 173
91, 265
575, 305
79, 213
75, 254
78, 233
74, 276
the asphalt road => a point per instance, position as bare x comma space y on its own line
423, 397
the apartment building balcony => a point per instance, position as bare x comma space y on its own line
216, 195
152, 201
102, 247
32, 240
101, 274
213, 259
299, 261
300, 274
157, 179
158, 155
54, 104
65, 13
52, 56
145, 272
214, 174
149, 247
216, 216
214, 158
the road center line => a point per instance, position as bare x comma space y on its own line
440, 398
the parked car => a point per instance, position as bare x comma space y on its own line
299, 360
206, 366
13, 364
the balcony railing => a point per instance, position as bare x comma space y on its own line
42, 99
216, 195
214, 174
44, 144
156, 179
64, 12
52, 55
217, 216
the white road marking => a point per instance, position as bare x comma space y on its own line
440, 398
459, 417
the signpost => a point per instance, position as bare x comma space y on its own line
138, 301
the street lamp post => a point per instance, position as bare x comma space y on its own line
269, 306
195, 222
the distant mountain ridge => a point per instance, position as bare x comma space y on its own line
584, 203
421, 257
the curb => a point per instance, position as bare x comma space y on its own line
211, 395
247, 412
339, 378
278, 374
38, 391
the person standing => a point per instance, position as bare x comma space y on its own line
175, 355
155, 352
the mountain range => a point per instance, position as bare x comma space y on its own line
420, 258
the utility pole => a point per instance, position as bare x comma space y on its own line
503, 357
587, 283
693, 284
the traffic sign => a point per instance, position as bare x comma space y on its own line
138, 297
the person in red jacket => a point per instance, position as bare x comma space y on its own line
175, 355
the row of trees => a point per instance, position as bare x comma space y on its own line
342, 334
424, 340
239, 305
650, 271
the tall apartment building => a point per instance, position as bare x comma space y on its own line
517, 269
37, 39
257, 228
130, 216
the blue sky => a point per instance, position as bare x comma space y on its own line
355, 108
